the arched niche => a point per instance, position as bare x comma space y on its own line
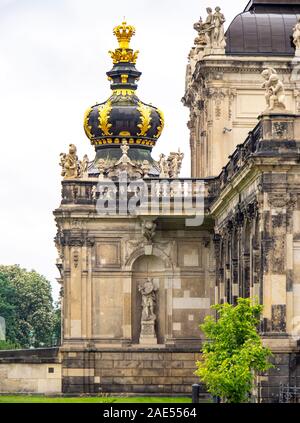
152, 267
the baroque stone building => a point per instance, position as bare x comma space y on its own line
254, 164
144, 253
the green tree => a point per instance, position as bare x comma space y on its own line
30, 302
233, 352
7, 308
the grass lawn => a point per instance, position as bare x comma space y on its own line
44, 399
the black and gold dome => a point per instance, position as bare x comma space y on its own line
123, 116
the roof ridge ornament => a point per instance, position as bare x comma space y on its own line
211, 34
124, 54
123, 115
124, 33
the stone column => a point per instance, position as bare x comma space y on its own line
274, 256
218, 255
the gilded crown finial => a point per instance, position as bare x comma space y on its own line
124, 33
124, 53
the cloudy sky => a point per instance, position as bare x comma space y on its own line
53, 59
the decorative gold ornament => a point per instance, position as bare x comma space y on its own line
162, 124
124, 53
124, 33
124, 79
123, 92
104, 112
145, 119
87, 127
124, 56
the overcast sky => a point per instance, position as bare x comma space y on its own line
53, 59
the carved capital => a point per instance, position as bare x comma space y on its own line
282, 200
78, 239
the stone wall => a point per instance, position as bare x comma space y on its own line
30, 371
129, 371
286, 372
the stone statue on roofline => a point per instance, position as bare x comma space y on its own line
69, 163
199, 27
175, 163
218, 32
211, 33
163, 166
84, 164
296, 37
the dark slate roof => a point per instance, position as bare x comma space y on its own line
254, 3
264, 28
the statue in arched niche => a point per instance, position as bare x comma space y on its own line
148, 291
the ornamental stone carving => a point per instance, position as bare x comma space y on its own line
279, 130
211, 32
69, 163
148, 230
83, 167
175, 163
124, 166
145, 168
163, 166
200, 28
170, 167
296, 37
148, 291
275, 94
102, 167
218, 37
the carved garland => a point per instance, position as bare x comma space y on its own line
87, 127
104, 112
145, 119
162, 124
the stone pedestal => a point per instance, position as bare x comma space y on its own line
148, 336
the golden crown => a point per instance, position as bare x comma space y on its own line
124, 53
124, 33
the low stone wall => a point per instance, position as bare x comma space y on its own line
129, 371
35, 371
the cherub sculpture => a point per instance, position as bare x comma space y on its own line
275, 94
69, 163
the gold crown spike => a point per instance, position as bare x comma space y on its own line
124, 33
